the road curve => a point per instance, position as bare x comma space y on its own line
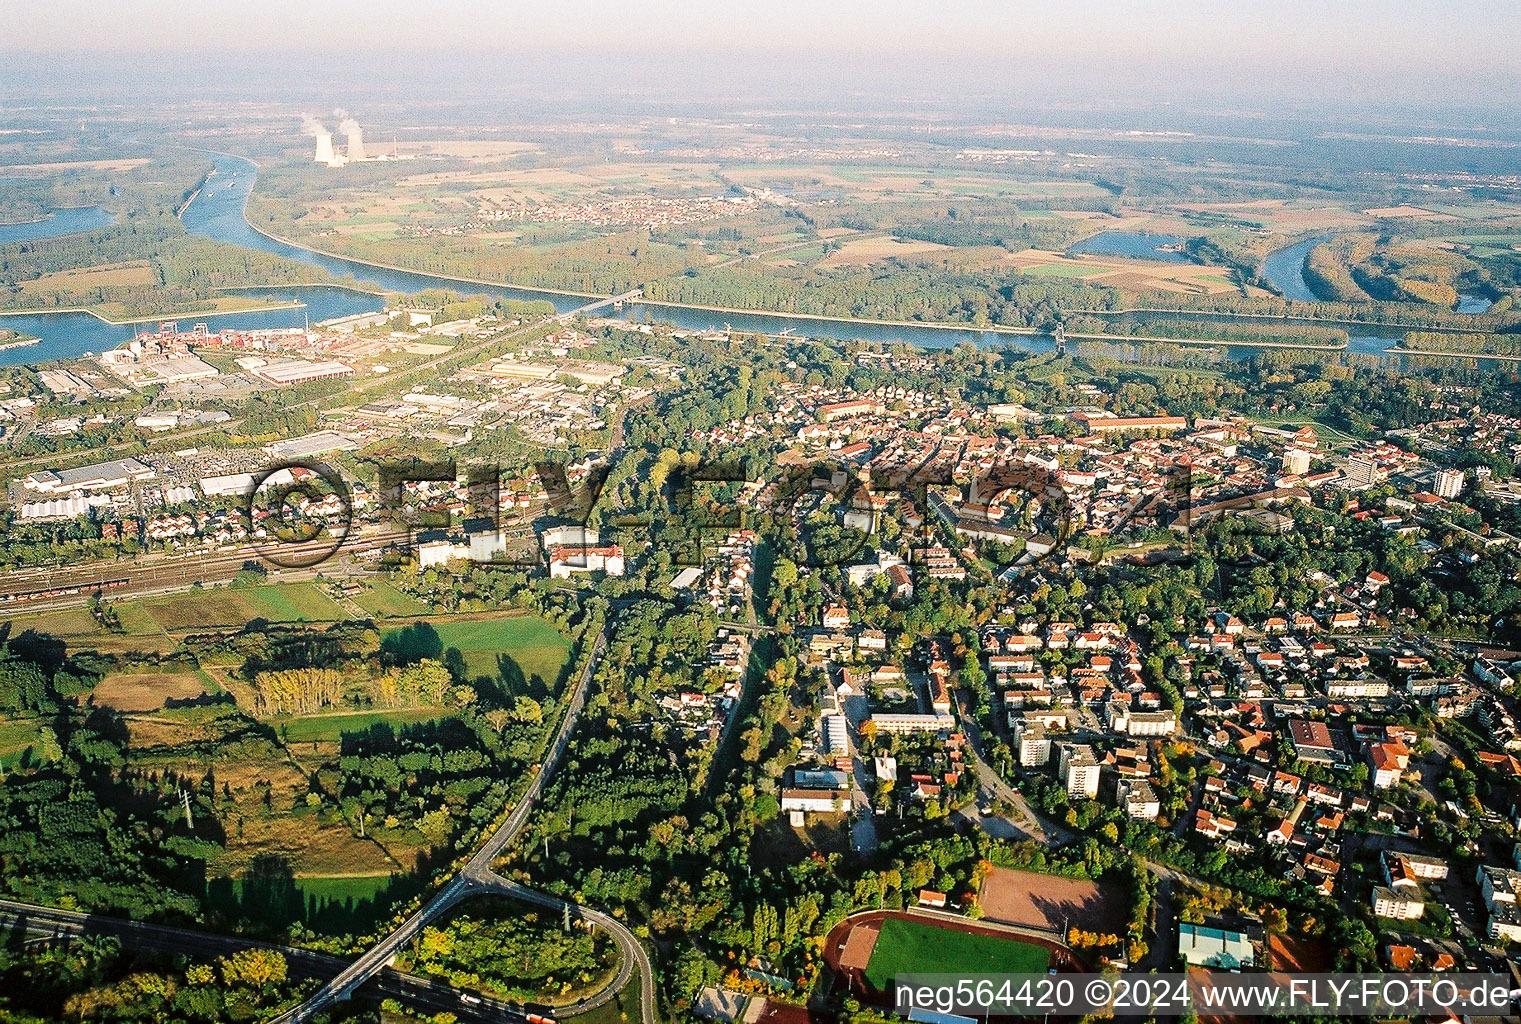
1042, 829
474, 878
631, 952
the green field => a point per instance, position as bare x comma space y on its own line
538, 648
918, 947
330, 728
340, 888
221, 606
380, 598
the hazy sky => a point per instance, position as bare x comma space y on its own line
1399, 30
1423, 49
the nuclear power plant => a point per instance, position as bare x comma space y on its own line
350, 128
327, 156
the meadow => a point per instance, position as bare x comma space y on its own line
537, 647
221, 606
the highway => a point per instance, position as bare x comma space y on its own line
631, 954
477, 878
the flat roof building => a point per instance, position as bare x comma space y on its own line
99, 476
1215, 947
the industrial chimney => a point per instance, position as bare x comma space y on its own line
356, 143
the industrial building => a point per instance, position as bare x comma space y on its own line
324, 152
294, 371
162, 358
59, 508
231, 485
101, 476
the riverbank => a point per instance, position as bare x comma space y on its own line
811, 317
1397, 350
822, 318
1136, 339
398, 269
828, 318
1308, 320
267, 308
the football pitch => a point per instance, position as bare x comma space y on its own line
918, 947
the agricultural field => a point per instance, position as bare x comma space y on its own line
1479, 246
147, 688
863, 251
80, 631
1120, 272
918, 184
110, 275
222, 606
1278, 216
907, 946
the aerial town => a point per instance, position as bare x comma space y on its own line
727, 547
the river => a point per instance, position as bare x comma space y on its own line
217, 212
63, 221
1284, 269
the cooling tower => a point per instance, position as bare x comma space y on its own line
356, 144
324, 149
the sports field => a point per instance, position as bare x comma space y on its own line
919, 947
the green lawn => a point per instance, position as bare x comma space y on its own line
918, 947
538, 648
292, 602
330, 728
342, 887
